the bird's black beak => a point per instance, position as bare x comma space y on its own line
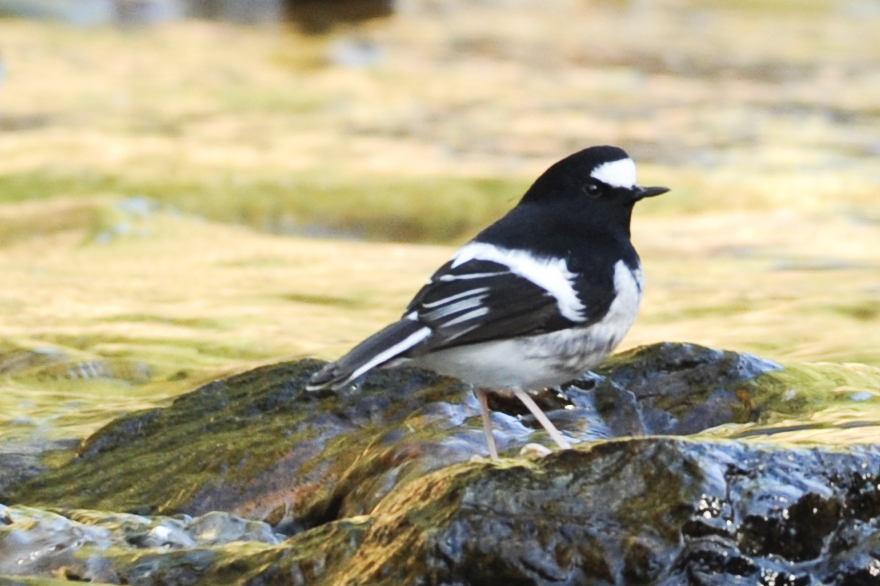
643, 192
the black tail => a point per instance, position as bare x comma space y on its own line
373, 352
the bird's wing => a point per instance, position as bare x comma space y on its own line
483, 300
474, 299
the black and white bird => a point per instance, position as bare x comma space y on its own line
535, 300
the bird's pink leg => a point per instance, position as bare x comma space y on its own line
542, 419
487, 422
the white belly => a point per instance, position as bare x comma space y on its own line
535, 362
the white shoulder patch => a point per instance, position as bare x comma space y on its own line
620, 173
551, 274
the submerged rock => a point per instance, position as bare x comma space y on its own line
84, 545
661, 511
375, 485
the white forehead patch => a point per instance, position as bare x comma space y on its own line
620, 173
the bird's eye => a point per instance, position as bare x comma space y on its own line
591, 190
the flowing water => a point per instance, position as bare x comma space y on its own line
118, 294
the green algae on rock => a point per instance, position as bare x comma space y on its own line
374, 484
662, 511
258, 445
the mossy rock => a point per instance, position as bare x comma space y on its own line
258, 445
658, 510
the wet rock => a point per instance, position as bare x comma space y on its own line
14, 359
260, 446
122, 370
52, 363
645, 511
82, 544
661, 511
671, 388
376, 485
21, 461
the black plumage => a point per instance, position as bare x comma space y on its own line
537, 298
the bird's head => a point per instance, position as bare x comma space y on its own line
598, 177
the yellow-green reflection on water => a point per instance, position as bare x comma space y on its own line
96, 327
761, 117
67, 408
833, 426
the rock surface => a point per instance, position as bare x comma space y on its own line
378, 485
643, 511
39, 542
